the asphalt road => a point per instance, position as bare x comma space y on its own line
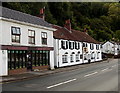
96, 77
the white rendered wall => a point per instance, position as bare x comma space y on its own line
116, 48
108, 47
89, 53
3, 63
6, 32
59, 52
51, 60
56, 54
0, 32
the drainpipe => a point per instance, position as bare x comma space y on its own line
58, 52
82, 53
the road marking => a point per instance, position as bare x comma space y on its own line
104, 69
62, 83
114, 66
90, 74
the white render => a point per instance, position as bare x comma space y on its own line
59, 52
6, 33
110, 48
51, 60
3, 63
5, 39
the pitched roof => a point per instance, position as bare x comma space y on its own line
113, 42
23, 17
75, 35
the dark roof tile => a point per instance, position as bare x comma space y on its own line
23, 17
74, 35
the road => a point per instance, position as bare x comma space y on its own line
97, 77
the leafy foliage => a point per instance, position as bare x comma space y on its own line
101, 19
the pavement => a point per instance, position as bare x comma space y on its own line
34, 74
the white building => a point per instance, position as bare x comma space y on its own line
74, 47
22, 36
111, 47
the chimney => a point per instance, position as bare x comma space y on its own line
68, 24
42, 14
85, 30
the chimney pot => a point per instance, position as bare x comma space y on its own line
68, 24
41, 15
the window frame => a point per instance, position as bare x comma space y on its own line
31, 37
64, 58
77, 57
44, 39
71, 58
15, 35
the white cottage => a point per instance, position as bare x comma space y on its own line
22, 38
74, 47
111, 47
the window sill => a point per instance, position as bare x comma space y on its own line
15, 43
64, 62
32, 43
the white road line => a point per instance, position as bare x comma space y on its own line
62, 83
114, 66
90, 74
104, 69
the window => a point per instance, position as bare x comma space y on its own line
64, 58
92, 55
31, 37
77, 45
44, 38
101, 46
64, 44
71, 58
16, 59
77, 57
84, 44
85, 57
81, 56
97, 55
71, 45
15, 34
97, 47
91, 46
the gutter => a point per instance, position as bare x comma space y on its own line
28, 24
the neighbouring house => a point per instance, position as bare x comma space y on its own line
74, 47
24, 38
111, 47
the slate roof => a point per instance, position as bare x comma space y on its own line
23, 17
75, 35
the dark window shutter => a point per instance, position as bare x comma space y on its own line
66, 44
69, 45
61, 44
78, 45
73, 45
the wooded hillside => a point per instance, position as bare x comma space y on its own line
102, 20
